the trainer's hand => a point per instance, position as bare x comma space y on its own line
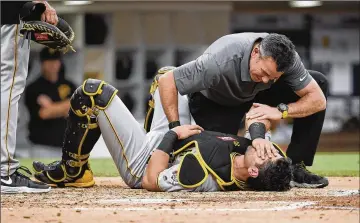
49, 15
185, 131
261, 112
263, 146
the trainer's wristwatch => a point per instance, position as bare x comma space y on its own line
283, 108
174, 124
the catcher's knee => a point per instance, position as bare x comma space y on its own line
91, 96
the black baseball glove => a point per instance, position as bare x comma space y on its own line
59, 37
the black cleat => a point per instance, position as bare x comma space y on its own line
303, 178
57, 174
19, 183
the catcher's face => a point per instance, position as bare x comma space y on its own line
253, 160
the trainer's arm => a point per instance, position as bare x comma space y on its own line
169, 96
195, 76
312, 100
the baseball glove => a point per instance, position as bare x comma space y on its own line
59, 37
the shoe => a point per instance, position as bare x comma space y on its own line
303, 178
19, 183
58, 174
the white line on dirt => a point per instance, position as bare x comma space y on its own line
142, 201
340, 193
334, 208
288, 206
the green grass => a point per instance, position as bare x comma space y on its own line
337, 164
327, 164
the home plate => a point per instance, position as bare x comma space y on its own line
141, 201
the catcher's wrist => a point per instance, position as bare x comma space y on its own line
167, 143
257, 130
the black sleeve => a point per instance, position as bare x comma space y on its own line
10, 11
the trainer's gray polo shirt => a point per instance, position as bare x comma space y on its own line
221, 73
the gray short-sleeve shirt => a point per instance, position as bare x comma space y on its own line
221, 73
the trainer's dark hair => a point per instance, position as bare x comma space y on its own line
280, 48
273, 176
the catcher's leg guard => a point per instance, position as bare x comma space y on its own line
81, 134
151, 103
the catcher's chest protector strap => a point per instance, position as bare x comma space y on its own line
214, 154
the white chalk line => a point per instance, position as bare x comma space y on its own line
334, 207
292, 206
288, 206
140, 201
343, 193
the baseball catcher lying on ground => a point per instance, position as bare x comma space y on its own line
185, 158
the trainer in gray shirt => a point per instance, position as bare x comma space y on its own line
221, 73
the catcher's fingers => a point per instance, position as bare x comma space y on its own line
257, 151
268, 150
261, 149
274, 150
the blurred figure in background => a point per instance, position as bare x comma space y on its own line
47, 100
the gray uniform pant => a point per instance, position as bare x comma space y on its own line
14, 69
127, 141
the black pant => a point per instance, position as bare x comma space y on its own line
306, 131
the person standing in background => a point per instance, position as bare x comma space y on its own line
48, 102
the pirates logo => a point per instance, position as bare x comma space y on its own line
64, 91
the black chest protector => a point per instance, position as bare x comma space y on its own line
214, 154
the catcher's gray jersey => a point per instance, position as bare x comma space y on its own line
128, 144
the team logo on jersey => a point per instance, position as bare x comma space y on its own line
226, 138
64, 91
236, 143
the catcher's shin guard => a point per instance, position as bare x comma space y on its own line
81, 134
151, 102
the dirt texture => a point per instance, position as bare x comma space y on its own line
110, 200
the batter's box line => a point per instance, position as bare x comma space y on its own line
333, 207
291, 206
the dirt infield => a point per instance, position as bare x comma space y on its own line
111, 201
